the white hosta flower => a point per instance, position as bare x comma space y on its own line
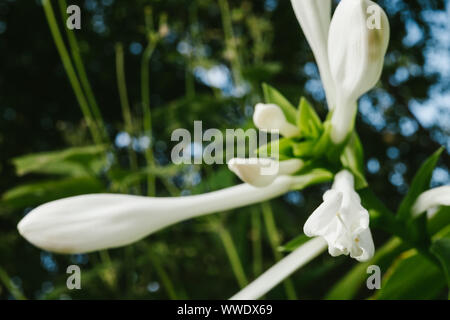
270, 117
100, 221
356, 50
342, 221
283, 269
314, 17
430, 200
261, 172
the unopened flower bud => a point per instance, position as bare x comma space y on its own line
270, 117
357, 43
262, 172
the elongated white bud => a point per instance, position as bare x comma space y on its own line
432, 199
100, 221
270, 117
262, 172
357, 44
314, 17
283, 269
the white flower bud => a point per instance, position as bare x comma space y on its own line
262, 172
270, 117
430, 200
314, 17
100, 221
356, 51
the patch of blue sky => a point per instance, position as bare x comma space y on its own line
371, 114
219, 77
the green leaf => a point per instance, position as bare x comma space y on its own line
32, 194
349, 285
308, 121
353, 159
412, 277
73, 161
304, 149
441, 249
421, 183
273, 96
439, 220
294, 243
324, 143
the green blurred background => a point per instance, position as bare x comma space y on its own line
208, 60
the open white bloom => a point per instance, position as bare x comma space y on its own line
270, 117
430, 200
260, 172
342, 221
100, 221
314, 17
281, 270
356, 50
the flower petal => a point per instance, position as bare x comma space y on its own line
319, 221
364, 244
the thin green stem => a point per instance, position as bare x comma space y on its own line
275, 242
164, 277
79, 65
145, 92
256, 242
65, 57
6, 280
126, 110
231, 41
231, 251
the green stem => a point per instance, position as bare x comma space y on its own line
231, 41
126, 110
79, 65
232, 253
65, 57
15, 292
275, 242
256, 242
164, 277
145, 92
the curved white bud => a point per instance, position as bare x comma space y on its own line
357, 43
100, 221
431, 199
261, 172
314, 17
270, 117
